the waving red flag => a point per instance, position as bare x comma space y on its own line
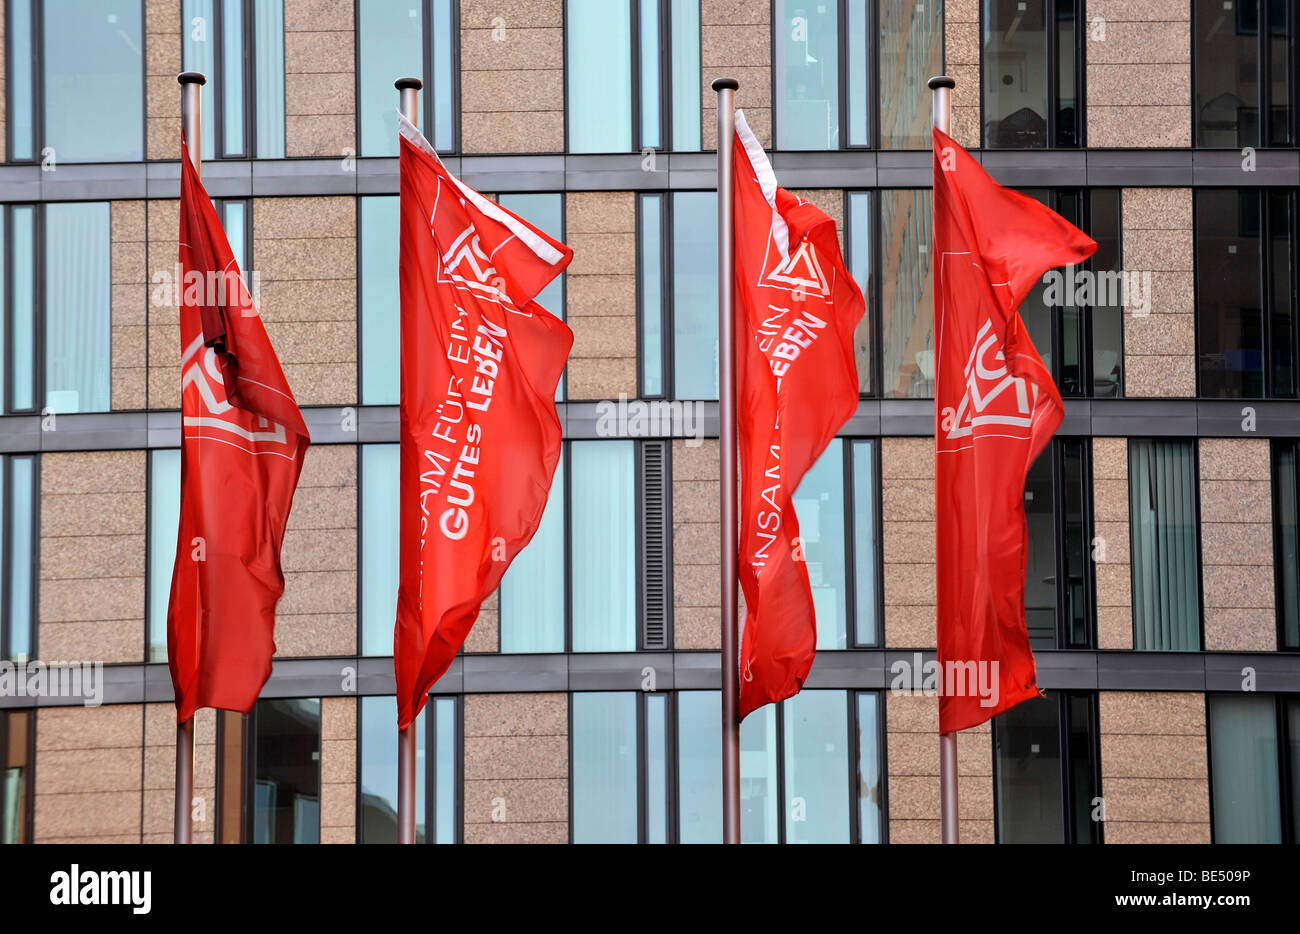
480, 437
798, 385
243, 442
996, 408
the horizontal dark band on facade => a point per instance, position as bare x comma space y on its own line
363, 424
1057, 168
683, 671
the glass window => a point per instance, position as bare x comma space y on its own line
684, 55
612, 774
650, 281
19, 492
1058, 585
598, 40
1245, 307
164, 523
816, 767
379, 300
21, 338
21, 122
1104, 320
1039, 801
437, 776
1286, 537
17, 742
285, 771
859, 240
911, 52
806, 48
819, 504
93, 86
907, 294
1236, 44
78, 321
866, 532
1244, 776
391, 44
603, 522
1030, 74
1163, 532
695, 294
532, 604
380, 473
268, 77
871, 772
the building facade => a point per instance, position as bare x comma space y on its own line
1164, 570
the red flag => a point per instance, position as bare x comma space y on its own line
996, 408
480, 437
798, 385
243, 442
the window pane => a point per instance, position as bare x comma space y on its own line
1107, 314
1228, 307
652, 302
198, 53
1293, 760
268, 38
866, 527
1244, 769
23, 346
1281, 249
816, 767
546, 212
1082, 746
444, 75
379, 301
907, 300
77, 309
15, 775
22, 556
445, 761
232, 72
1067, 100
604, 767
759, 800
806, 44
1078, 543
94, 80
871, 780
1015, 74
857, 67
379, 547
859, 240
20, 78
379, 771
656, 768
599, 41
686, 75
1040, 566
651, 115
1286, 491
819, 505
1162, 494
4, 356
699, 766
1226, 59
286, 780
164, 523
390, 46
1027, 747
1280, 68
911, 52
532, 591
234, 222
695, 294
603, 519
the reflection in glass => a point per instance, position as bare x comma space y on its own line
390, 44
1286, 492
1226, 59
858, 244
1106, 317
871, 778
1027, 750
198, 53
911, 51
286, 771
378, 770
806, 45
1040, 565
759, 801
907, 294
1015, 74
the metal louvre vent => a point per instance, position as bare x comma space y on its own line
656, 526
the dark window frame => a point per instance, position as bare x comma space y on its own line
852, 599
6, 567
1277, 447
38, 308
1286, 806
27, 826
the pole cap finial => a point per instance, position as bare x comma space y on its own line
192, 77
403, 83
723, 84
941, 81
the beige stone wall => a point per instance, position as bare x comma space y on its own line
130, 294
1111, 525
907, 531
1154, 773
160, 774
92, 556
516, 768
961, 39
164, 335
512, 76
696, 555
317, 616
1139, 74
1160, 347
320, 111
1237, 545
736, 42
162, 46
338, 770
913, 755
486, 634
600, 226
88, 769
305, 254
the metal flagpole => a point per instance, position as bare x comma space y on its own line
408, 102
942, 87
191, 83
726, 90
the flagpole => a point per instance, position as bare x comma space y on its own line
948, 801
408, 102
191, 83
726, 90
